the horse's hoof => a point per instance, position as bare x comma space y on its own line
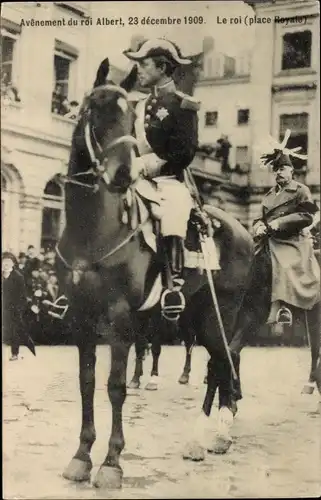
194, 451
78, 470
108, 478
151, 386
205, 380
221, 445
308, 388
183, 379
134, 384
234, 408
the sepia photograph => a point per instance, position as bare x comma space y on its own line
160, 224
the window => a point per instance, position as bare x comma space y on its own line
64, 78
243, 116
52, 214
229, 66
297, 50
242, 159
7, 56
298, 124
211, 118
9, 39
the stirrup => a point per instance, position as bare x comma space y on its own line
172, 304
284, 316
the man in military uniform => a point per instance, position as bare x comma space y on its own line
286, 213
166, 129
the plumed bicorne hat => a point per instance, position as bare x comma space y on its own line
157, 47
279, 154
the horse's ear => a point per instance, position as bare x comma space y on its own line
102, 73
129, 82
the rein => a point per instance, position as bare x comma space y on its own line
111, 252
99, 170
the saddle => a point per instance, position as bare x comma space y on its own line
142, 207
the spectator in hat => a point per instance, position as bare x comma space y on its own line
32, 263
14, 305
22, 259
223, 151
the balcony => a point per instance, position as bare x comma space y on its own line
12, 112
62, 127
208, 168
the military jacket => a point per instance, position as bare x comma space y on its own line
167, 130
293, 208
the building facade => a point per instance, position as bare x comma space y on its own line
275, 87
45, 71
44, 75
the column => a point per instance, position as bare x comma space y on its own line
261, 83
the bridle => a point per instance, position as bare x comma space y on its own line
96, 152
98, 170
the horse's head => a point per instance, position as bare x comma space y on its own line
106, 121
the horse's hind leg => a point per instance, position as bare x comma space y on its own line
152, 385
195, 447
140, 346
313, 319
313, 327
80, 466
110, 473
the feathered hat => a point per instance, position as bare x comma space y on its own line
279, 154
157, 47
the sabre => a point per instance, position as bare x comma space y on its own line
195, 194
217, 309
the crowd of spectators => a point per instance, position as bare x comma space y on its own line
46, 303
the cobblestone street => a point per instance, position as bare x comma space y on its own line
276, 450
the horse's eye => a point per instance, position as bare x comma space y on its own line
122, 103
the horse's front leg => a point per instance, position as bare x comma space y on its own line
110, 473
184, 378
80, 466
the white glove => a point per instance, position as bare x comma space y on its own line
260, 231
274, 225
138, 167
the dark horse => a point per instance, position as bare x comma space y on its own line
104, 265
261, 272
154, 336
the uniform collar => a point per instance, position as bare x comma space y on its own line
292, 186
167, 88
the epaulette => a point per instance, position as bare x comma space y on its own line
188, 102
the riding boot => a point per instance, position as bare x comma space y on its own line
172, 300
174, 248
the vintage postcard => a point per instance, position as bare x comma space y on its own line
160, 200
